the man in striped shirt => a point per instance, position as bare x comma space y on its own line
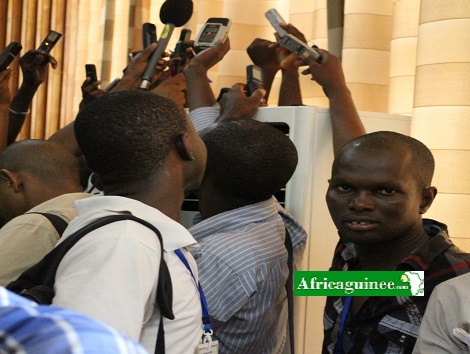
26, 327
242, 260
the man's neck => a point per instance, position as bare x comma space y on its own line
387, 256
167, 195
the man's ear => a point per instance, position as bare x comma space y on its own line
13, 180
427, 197
183, 147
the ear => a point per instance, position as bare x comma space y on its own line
427, 198
13, 180
183, 147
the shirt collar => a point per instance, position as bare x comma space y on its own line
233, 219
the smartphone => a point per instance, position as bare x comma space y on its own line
149, 34
275, 19
298, 47
50, 41
90, 70
214, 30
9, 54
254, 79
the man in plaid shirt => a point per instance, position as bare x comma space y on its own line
379, 189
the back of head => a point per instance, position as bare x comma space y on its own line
126, 136
248, 159
46, 161
392, 142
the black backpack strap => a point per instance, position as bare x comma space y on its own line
290, 289
59, 224
43, 273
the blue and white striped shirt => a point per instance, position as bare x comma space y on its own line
242, 265
28, 328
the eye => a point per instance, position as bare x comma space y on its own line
386, 191
344, 187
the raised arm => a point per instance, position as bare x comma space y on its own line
198, 90
345, 121
34, 66
4, 106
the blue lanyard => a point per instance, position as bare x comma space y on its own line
342, 324
206, 320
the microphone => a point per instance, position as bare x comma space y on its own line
173, 13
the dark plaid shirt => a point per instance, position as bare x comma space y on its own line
390, 324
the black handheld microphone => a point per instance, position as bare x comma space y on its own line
173, 13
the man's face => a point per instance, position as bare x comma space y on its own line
373, 196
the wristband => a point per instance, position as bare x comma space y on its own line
19, 113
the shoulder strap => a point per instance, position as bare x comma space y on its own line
59, 224
290, 289
44, 272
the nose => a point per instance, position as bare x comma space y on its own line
362, 200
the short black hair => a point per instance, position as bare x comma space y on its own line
127, 135
49, 162
248, 159
423, 160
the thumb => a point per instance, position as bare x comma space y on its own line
258, 95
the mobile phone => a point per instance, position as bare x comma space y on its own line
9, 54
182, 45
149, 34
275, 19
254, 79
214, 30
179, 55
90, 70
50, 41
298, 47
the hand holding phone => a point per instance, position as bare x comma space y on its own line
214, 30
9, 54
50, 41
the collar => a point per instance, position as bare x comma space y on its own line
233, 219
420, 259
175, 235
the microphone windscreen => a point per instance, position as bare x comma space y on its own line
177, 12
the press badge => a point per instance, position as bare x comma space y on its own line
208, 346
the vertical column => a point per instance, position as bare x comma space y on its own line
366, 52
403, 56
442, 108
335, 10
